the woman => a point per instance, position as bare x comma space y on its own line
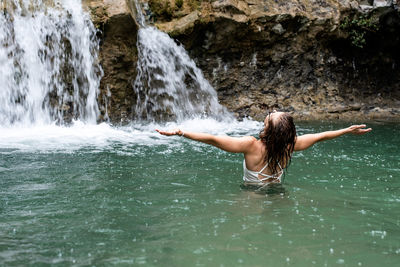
267, 157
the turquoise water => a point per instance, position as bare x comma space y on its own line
126, 197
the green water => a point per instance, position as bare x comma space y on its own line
179, 203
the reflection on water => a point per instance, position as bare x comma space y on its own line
127, 196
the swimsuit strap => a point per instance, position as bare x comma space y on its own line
266, 165
267, 176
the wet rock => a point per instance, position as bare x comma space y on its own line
278, 29
118, 57
179, 26
383, 3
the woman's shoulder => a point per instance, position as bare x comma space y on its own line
252, 142
250, 139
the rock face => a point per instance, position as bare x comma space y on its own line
335, 59
118, 57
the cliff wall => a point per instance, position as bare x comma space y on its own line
336, 59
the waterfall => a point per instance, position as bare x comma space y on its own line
49, 69
168, 85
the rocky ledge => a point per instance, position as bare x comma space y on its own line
335, 59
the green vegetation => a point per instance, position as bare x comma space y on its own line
358, 27
161, 9
194, 4
179, 3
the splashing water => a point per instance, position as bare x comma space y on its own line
48, 54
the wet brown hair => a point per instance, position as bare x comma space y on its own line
279, 137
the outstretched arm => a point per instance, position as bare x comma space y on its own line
307, 140
227, 143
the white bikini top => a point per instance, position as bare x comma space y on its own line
259, 177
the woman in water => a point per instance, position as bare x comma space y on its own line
266, 158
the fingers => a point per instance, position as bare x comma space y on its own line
358, 129
162, 132
167, 133
355, 127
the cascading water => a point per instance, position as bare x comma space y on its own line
168, 85
50, 76
49, 70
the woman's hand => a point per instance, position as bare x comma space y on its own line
358, 129
172, 132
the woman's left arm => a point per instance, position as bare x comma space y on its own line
227, 143
307, 140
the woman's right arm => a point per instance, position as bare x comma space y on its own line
231, 144
305, 141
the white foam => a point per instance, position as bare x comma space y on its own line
53, 138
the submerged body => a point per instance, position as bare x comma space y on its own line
266, 158
258, 177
